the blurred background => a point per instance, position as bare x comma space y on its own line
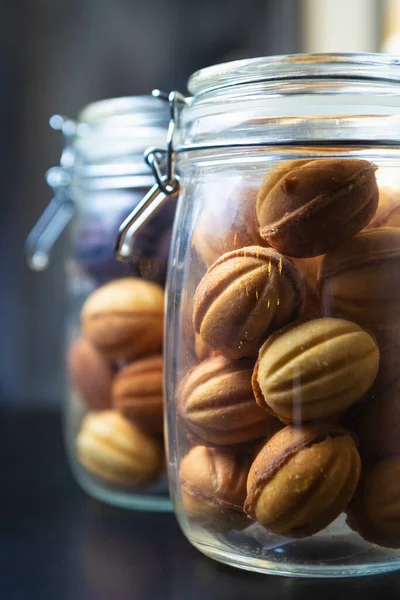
57, 56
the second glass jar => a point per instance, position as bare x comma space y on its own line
115, 311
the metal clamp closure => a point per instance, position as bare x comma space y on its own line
60, 209
52, 223
166, 186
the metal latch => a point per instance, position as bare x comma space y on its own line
166, 186
60, 209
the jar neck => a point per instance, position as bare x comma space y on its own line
292, 100
110, 139
127, 171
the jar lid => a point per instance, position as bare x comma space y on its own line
367, 66
295, 99
119, 130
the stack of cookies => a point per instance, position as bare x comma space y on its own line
116, 367
292, 409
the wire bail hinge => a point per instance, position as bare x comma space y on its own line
162, 163
61, 208
53, 221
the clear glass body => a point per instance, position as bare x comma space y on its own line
115, 313
283, 317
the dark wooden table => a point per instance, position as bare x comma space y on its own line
58, 544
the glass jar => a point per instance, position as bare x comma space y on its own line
283, 315
114, 322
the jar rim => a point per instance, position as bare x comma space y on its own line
367, 66
109, 132
141, 107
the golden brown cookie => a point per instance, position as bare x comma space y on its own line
375, 510
302, 479
243, 297
388, 211
137, 392
124, 318
90, 374
300, 206
217, 404
201, 349
308, 269
226, 225
112, 448
378, 424
361, 279
388, 340
315, 369
213, 487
